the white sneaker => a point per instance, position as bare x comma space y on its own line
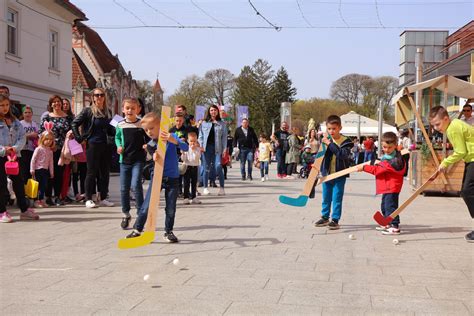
195, 201
186, 201
221, 192
205, 191
263, 179
91, 204
106, 203
266, 178
289, 177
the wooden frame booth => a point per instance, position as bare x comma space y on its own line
422, 163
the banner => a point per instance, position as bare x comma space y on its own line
242, 112
200, 112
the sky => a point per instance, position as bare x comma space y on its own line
319, 40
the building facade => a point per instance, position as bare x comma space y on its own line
35, 50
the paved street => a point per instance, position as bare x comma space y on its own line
243, 254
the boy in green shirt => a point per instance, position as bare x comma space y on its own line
461, 136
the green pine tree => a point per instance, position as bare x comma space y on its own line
282, 90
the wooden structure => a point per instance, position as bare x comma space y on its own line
422, 168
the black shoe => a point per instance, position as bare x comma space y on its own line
170, 237
180, 195
50, 202
67, 200
469, 237
243, 178
133, 234
333, 225
125, 222
200, 185
58, 202
250, 178
322, 222
213, 184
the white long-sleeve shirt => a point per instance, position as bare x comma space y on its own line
192, 156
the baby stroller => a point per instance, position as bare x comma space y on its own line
305, 170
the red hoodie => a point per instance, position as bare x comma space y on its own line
388, 179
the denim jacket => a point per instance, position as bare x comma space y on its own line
12, 137
220, 133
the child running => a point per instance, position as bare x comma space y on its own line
41, 166
337, 157
461, 136
264, 154
389, 180
151, 125
191, 158
130, 139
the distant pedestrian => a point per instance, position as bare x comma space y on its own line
192, 159
280, 138
31, 134
41, 166
292, 158
246, 141
369, 147
264, 156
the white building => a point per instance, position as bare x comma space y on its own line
35, 50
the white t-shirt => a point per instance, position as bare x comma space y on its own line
469, 120
30, 128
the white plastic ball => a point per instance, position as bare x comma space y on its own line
176, 261
352, 237
146, 277
395, 241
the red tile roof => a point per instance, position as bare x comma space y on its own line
72, 8
157, 87
104, 57
81, 74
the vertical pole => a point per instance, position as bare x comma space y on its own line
358, 126
418, 78
379, 149
445, 104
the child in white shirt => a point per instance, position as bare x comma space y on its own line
191, 158
264, 155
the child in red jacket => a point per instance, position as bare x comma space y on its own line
388, 180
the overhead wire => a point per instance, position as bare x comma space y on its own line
378, 15
302, 14
203, 11
129, 11
340, 13
277, 28
162, 13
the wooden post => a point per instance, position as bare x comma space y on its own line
445, 92
406, 121
427, 139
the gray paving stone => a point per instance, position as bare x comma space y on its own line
385, 289
251, 308
420, 305
35, 309
318, 297
240, 294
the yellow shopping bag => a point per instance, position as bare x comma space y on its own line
31, 188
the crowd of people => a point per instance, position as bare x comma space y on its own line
69, 157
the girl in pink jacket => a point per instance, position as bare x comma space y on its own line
41, 167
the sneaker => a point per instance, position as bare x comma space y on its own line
244, 178
289, 177
213, 184
186, 201
322, 222
170, 237
125, 222
382, 228
333, 225
67, 200
133, 234
263, 179
29, 214
221, 192
469, 237
250, 178
279, 175
91, 204
205, 191
106, 203
50, 202
266, 178
5, 217
38, 204
58, 202
195, 201
80, 197
392, 231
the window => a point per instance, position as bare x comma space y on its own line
454, 48
53, 50
12, 31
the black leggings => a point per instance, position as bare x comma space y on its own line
467, 191
25, 161
98, 163
57, 181
18, 188
79, 175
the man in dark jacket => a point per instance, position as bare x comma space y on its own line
246, 140
281, 138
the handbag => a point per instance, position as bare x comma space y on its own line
31, 188
225, 159
11, 166
74, 147
182, 167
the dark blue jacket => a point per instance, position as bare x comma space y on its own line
343, 156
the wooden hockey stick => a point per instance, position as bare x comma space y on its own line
384, 221
149, 234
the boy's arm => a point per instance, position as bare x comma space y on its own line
340, 152
459, 148
374, 169
200, 136
118, 137
183, 146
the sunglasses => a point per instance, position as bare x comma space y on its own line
99, 95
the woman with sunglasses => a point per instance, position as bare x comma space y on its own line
96, 131
61, 125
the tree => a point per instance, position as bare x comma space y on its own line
253, 88
145, 92
318, 109
192, 91
350, 89
222, 82
282, 90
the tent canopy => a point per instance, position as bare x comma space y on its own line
368, 126
456, 87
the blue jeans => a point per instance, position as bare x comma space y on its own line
211, 160
171, 196
333, 192
281, 166
246, 155
368, 156
389, 205
263, 168
131, 177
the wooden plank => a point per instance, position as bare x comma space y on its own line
406, 121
